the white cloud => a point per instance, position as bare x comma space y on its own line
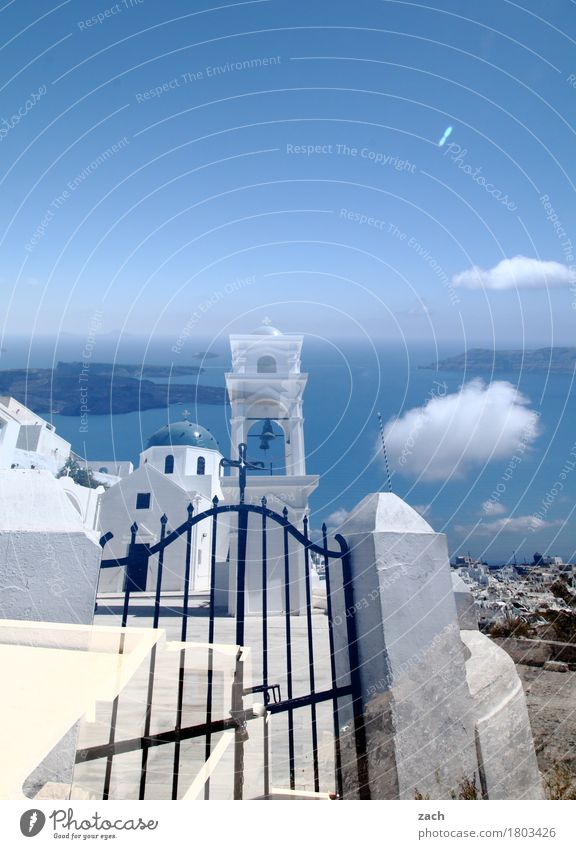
520, 272
452, 433
493, 508
337, 518
516, 525
423, 509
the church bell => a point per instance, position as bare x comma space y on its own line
267, 435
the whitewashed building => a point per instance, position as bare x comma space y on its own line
180, 466
109, 472
27, 441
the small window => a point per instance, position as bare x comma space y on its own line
169, 464
103, 470
143, 501
201, 466
266, 365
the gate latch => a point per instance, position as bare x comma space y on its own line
266, 690
240, 718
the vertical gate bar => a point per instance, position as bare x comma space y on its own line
163, 522
240, 613
311, 659
133, 532
208, 742
337, 754
288, 653
152, 669
354, 660
265, 645
185, 600
183, 634
241, 573
240, 730
115, 703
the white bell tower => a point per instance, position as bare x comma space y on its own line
266, 384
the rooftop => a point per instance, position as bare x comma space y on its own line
183, 433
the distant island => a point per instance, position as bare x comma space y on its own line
121, 370
104, 388
554, 360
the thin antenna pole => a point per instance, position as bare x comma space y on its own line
385, 453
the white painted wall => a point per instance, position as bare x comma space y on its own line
115, 468
28, 440
9, 429
185, 466
49, 563
167, 496
85, 500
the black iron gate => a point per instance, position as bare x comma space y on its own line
336, 567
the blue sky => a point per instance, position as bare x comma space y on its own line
206, 187
161, 161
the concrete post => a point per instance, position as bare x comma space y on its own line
417, 708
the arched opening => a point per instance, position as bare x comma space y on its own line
169, 464
266, 365
103, 470
267, 444
201, 466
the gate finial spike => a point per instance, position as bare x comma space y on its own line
324, 528
384, 452
164, 519
264, 501
215, 501
134, 528
190, 509
285, 513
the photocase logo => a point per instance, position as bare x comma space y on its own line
32, 822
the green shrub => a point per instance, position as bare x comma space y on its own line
80, 475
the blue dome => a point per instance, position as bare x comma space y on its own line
266, 330
183, 433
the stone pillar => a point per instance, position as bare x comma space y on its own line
417, 708
297, 453
238, 434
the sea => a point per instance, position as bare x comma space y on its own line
350, 381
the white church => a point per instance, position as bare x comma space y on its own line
182, 465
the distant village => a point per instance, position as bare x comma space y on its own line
526, 599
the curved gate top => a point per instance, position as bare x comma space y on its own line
312, 728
